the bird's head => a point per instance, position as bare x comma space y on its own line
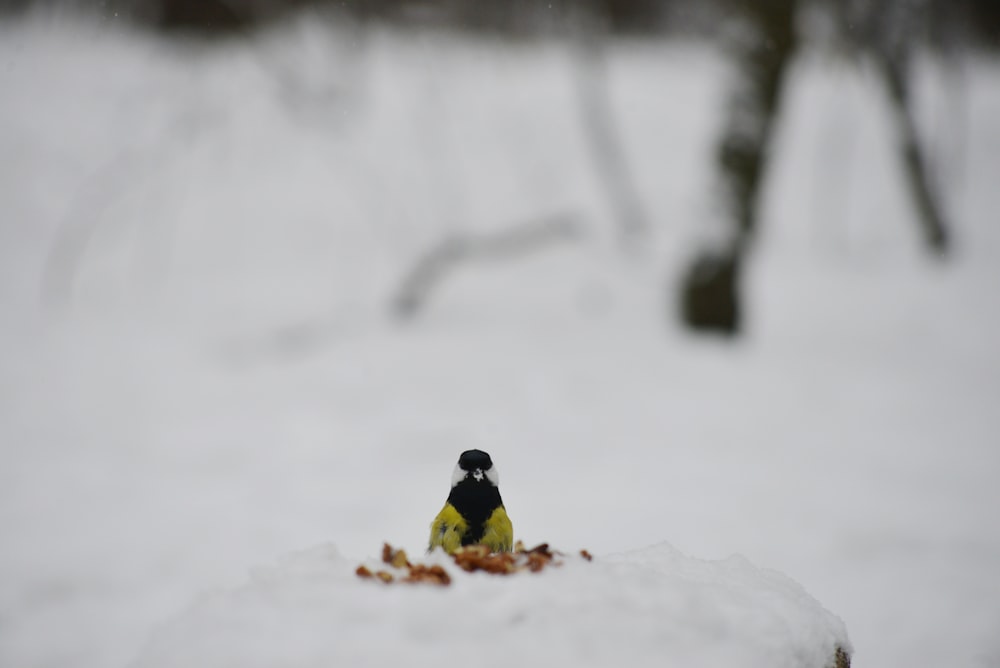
475, 466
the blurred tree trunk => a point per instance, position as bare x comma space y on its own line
760, 53
590, 25
762, 47
893, 29
929, 214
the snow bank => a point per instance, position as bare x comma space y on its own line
654, 606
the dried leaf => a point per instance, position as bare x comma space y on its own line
399, 559
393, 557
469, 558
430, 574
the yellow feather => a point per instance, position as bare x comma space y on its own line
447, 529
499, 533
449, 526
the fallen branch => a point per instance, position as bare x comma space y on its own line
431, 269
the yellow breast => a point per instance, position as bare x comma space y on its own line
449, 527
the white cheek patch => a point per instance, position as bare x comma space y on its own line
458, 475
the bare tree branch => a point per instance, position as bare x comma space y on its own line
929, 214
589, 26
444, 258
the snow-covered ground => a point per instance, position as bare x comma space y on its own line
644, 608
198, 247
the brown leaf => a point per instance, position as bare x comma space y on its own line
540, 549
469, 558
393, 557
429, 574
399, 559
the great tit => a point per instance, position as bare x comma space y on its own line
473, 512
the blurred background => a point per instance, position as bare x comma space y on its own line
721, 274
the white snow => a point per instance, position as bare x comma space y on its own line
641, 608
198, 247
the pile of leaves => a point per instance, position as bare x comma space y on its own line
470, 558
434, 574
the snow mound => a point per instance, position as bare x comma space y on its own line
654, 606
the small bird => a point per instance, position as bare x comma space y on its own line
474, 512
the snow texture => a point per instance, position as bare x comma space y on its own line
198, 373
650, 607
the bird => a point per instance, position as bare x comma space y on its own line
474, 513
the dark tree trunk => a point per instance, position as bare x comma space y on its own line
762, 49
710, 291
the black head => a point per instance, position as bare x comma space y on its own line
471, 460
475, 467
